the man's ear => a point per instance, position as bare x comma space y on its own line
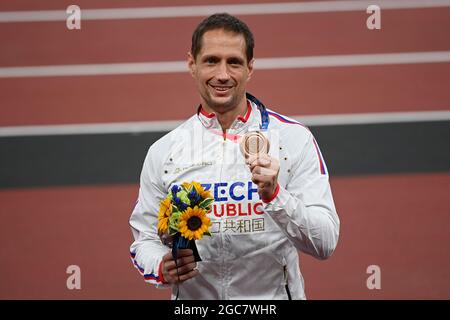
191, 64
250, 68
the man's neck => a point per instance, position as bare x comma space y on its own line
227, 118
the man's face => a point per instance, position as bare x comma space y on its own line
221, 69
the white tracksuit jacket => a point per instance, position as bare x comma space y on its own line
252, 253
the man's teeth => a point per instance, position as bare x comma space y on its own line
221, 88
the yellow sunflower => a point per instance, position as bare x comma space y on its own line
194, 223
186, 185
165, 210
201, 191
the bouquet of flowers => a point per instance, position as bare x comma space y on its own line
183, 215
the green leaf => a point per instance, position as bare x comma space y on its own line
172, 232
206, 203
183, 195
207, 233
175, 209
174, 220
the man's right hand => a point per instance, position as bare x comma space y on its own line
186, 267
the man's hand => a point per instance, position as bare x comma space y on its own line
186, 267
265, 171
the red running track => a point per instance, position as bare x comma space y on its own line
398, 222
61, 100
283, 35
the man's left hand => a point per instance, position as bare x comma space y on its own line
265, 171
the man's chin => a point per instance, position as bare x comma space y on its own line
221, 103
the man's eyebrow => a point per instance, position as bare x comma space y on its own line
210, 56
234, 58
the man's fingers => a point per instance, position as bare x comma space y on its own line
182, 270
178, 278
167, 257
184, 252
180, 262
263, 171
254, 157
166, 239
188, 275
260, 178
180, 253
262, 161
250, 159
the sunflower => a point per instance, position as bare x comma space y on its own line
201, 191
194, 223
165, 210
186, 185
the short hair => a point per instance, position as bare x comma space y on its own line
228, 23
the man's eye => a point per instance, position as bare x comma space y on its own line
211, 60
235, 62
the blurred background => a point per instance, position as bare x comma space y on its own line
80, 107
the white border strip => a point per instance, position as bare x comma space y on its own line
373, 118
352, 60
237, 9
94, 69
260, 64
165, 126
90, 128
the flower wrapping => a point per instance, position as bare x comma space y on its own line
183, 215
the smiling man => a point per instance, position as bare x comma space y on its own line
267, 206
221, 66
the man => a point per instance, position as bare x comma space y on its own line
266, 207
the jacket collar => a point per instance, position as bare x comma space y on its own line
209, 120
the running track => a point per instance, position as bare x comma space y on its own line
394, 216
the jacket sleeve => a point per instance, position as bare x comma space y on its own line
147, 249
305, 209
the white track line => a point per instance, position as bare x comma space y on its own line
236, 9
260, 64
164, 126
373, 118
352, 60
90, 128
94, 69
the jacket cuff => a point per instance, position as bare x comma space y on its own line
273, 196
160, 274
281, 203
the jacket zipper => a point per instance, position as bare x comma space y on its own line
286, 283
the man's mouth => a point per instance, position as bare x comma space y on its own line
220, 89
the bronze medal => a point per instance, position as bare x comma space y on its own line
254, 143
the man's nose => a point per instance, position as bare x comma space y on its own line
222, 73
